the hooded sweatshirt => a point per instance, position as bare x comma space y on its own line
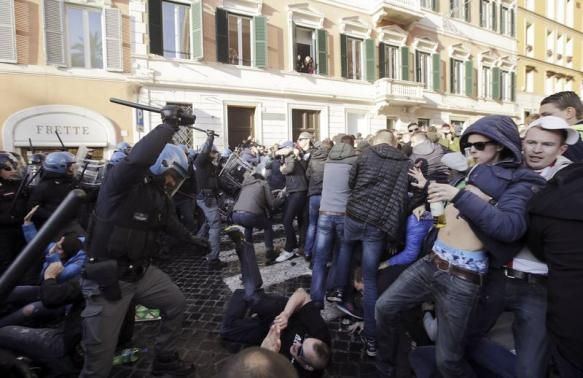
315, 171
255, 196
335, 189
501, 222
432, 152
379, 181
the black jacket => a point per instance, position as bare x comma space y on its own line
575, 151
276, 179
206, 172
315, 171
379, 181
295, 174
11, 215
49, 193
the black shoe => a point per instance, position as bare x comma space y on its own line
270, 256
335, 296
174, 367
216, 264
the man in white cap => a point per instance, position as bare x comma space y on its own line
521, 285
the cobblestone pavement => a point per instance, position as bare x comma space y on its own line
207, 292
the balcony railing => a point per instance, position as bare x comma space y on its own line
400, 11
398, 91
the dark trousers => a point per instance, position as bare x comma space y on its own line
295, 207
250, 221
185, 212
566, 367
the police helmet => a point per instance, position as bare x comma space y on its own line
58, 162
172, 160
37, 159
117, 157
123, 147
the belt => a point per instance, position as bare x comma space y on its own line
464, 274
132, 272
529, 277
336, 213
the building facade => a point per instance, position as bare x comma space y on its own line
261, 68
550, 50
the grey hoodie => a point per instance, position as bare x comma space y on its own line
255, 196
335, 189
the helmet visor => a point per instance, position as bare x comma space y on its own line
172, 181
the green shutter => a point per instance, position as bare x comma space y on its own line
322, 63
451, 76
468, 11
260, 41
343, 63
481, 13
370, 59
222, 29
502, 23
404, 63
469, 78
512, 23
496, 83
435, 5
382, 72
494, 16
436, 72
196, 16
513, 86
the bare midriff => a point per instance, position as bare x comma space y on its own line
457, 233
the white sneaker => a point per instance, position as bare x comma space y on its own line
284, 255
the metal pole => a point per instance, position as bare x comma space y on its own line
61, 141
58, 220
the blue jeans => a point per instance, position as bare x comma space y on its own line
314, 212
213, 221
373, 242
528, 302
330, 228
249, 221
454, 300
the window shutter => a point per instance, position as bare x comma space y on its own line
382, 72
7, 32
222, 32
469, 78
451, 76
496, 83
322, 63
260, 41
113, 39
196, 28
468, 11
343, 62
155, 27
494, 17
502, 23
404, 63
482, 13
513, 86
436, 72
370, 60
54, 32
512, 23
435, 5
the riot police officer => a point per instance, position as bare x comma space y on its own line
133, 207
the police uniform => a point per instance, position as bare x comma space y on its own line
132, 209
12, 206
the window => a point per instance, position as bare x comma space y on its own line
239, 39
423, 68
84, 37
505, 27
457, 126
176, 30
423, 123
551, 9
390, 123
457, 77
390, 62
486, 14
185, 135
529, 42
429, 4
305, 50
460, 9
354, 58
505, 86
305, 120
529, 79
486, 82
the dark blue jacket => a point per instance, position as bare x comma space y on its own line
501, 223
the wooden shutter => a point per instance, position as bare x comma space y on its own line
222, 33
436, 72
382, 72
260, 41
512, 23
481, 13
370, 59
513, 86
322, 63
155, 27
7, 32
404, 63
54, 13
496, 83
196, 29
435, 5
451, 76
494, 16
469, 78
467, 10
343, 62
113, 40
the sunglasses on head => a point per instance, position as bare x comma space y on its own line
480, 146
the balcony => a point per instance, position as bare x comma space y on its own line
389, 92
402, 12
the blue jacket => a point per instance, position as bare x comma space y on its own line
501, 223
72, 267
415, 233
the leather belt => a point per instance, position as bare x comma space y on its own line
335, 213
464, 274
529, 277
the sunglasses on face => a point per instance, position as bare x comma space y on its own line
413, 130
480, 146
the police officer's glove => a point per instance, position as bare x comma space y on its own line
171, 115
199, 242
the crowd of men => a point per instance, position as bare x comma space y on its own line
428, 234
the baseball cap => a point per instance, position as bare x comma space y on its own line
555, 123
305, 135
